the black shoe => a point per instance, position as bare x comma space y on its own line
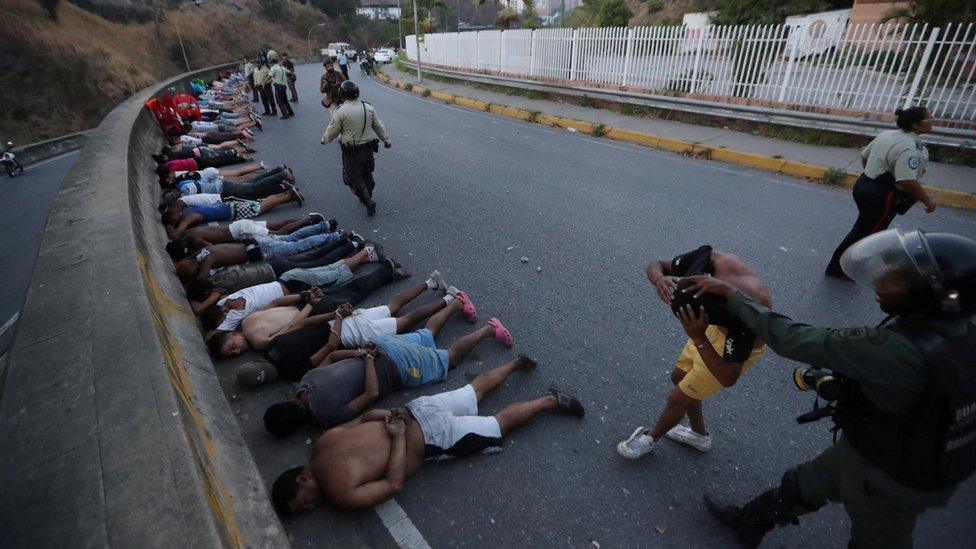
566, 403
315, 218
525, 363
358, 240
298, 195
731, 516
371, 208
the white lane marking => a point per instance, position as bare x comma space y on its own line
404, 533
7, 325
52, 159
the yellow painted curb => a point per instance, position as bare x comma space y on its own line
812, 172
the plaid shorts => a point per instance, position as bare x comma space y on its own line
244, 209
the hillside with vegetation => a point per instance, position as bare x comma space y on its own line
61, 74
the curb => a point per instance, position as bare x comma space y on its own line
810, 172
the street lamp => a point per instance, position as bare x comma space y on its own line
308, 38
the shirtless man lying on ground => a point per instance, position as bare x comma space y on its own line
363, 325
349, 382
367, 461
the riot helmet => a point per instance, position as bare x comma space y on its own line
916, 272
348, 90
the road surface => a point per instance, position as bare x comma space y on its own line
471, 193
24, 209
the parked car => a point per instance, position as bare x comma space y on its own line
384, 55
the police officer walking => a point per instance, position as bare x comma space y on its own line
359, 131
894, 163
905, 392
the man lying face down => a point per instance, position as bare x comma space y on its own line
349, 381
366, 461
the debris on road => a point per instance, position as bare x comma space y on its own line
661, 529
538, 269
524, 259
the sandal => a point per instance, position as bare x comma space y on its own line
567, 403
501, 332
470, 312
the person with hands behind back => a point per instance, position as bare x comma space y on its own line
718, 351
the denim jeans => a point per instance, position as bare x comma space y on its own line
305, 232
336, 273
316, 257
274, 247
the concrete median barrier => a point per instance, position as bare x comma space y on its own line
114, 426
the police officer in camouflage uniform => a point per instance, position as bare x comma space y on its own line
894, 163
359, 131
907, 391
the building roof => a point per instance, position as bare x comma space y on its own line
378, 3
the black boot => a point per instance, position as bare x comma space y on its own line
754, 520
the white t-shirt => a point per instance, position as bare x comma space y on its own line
255, 298
366, 325
200, 199
210, 174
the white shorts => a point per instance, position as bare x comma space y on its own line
452, 426
366, 325
244, 229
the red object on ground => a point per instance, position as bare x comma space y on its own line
187, 107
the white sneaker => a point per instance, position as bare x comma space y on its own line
452, 291
374, 256
637, 445
685, 435
438, 279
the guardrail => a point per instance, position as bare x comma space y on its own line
115, 429
856, 70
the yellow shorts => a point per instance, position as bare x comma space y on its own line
699, 383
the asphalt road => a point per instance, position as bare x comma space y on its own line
24, 209
470, 193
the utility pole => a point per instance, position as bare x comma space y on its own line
399, 26
416, 38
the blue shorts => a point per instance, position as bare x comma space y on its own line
416, 356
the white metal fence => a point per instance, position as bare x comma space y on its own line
864, 68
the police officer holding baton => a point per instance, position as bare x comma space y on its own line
359, 131
903, 395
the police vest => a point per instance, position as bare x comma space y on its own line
933, 445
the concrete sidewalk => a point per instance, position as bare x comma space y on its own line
946, 176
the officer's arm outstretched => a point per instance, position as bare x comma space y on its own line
858, 353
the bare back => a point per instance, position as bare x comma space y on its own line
731, 269
213, 235
261, 326
344, 458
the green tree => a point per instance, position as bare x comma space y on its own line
764, 12
427, 22
937, 13
613, 13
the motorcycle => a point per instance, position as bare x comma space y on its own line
366, 66
9, 161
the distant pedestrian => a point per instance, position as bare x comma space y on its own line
329, 85
279, 79
894, 163
344, 64
288, 64
359, 131
249, 74
262, 81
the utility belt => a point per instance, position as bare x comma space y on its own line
903, 200
373, 145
